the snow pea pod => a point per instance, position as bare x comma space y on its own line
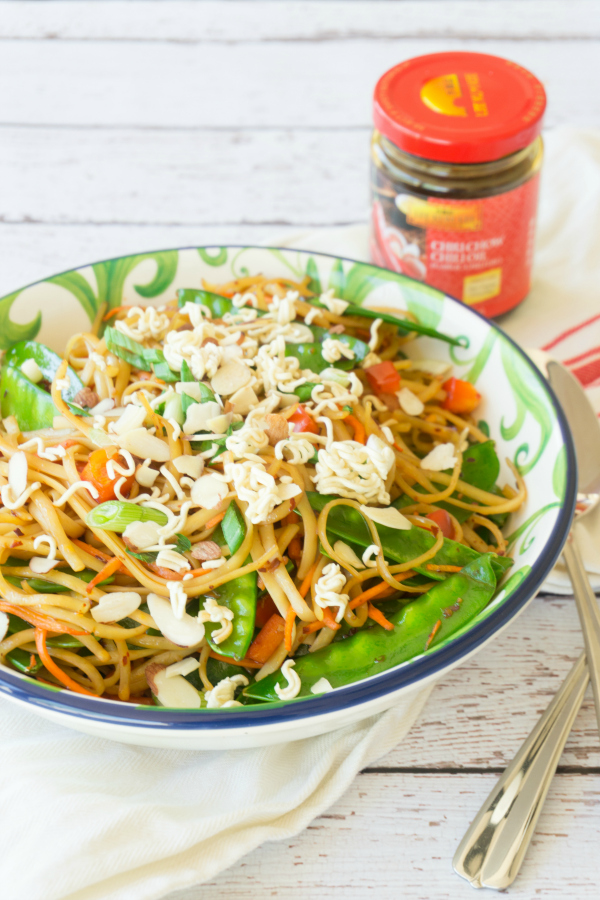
48, 362
21, 661
30, 403
418, 627
239, 595
401, 546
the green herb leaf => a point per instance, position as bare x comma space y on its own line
233, 527
145, 358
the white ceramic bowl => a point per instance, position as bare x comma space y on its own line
519, 408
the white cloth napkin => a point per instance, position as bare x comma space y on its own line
561, 315
88, 819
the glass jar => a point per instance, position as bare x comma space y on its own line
455, 161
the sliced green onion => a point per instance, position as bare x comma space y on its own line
233, 527
145, 358
116, 515
174, 408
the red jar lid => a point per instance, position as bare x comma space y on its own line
459, 107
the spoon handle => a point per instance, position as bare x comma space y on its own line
589, 612
492, 850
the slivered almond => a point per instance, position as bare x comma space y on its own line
198, 415
288, 491
174, 692
113, 607
409, 402
185, 632
244, 400
440, 458
276, 428
40, 565
208, 492
183, 667
17, 474
139, 535
347, 555
219, 424
206, 550
189, 465
389, 516
231, 378
132, 419
141, 443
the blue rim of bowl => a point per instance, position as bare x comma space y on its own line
403, 676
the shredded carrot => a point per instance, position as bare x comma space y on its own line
359, 431
314, 626
32, 660
305, 586
215, 521
167, 574
267, 640
434, 631
374, 591
114, 565
39, 619
379, 617
398, 447
114, 312
294, 549
246, 663
329, 620
289, 628
434, 568
40, 643
93, 551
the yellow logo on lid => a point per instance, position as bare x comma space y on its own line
440, 94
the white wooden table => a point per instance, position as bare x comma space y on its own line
128, 126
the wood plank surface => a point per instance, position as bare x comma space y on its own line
315, 20
393, 835
322, 84
220, 177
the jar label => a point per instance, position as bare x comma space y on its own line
479, 251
